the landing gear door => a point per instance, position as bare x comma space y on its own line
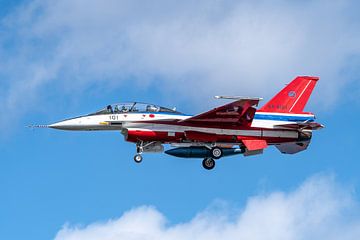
153, 147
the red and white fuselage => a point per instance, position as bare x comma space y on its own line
280, 122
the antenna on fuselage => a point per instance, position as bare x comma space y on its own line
238, 98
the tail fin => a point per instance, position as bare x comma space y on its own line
292, 98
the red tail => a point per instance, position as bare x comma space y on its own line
293, 98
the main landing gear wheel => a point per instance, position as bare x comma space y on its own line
208, 163
138, 158
216, 153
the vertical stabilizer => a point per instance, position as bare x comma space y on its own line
292, 98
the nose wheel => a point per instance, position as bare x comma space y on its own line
139, 150
138, 158
208, 163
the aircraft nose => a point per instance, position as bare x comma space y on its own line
72, 124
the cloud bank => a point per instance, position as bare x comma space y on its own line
318, 209
54, 49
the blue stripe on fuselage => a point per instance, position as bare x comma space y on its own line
288, 118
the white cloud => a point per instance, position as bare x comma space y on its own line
200, 49
318, 209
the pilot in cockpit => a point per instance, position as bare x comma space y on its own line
151, 108
124, 109
109, 109
116, 109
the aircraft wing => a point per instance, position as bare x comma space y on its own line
240, 112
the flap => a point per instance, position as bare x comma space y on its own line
253, 145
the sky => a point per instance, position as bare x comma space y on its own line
65, 58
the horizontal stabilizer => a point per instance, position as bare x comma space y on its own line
294, 147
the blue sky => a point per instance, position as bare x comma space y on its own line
67, 58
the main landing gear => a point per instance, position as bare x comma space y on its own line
208, 163
216, 152
209, 153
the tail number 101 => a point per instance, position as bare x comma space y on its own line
114, 117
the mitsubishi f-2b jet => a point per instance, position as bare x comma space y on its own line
235, 128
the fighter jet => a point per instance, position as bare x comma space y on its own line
234, 128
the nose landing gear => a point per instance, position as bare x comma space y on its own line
138, 158
139, 149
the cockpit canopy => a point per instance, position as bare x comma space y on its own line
134, 107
